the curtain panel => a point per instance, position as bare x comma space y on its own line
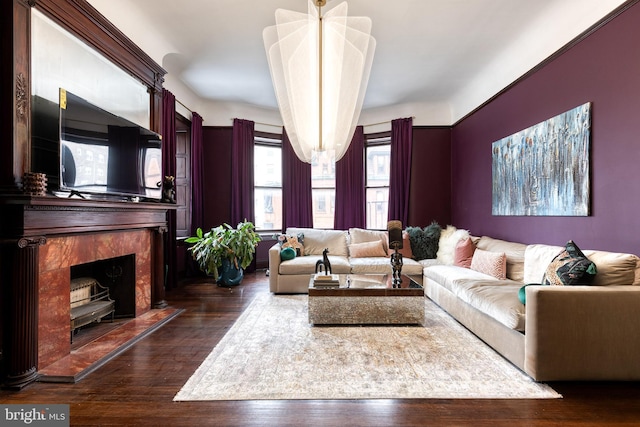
242, 203
350, 186
169, 169
297, 199
197, 171
400, 172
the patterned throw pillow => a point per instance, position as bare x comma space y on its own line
570, 267
491, 263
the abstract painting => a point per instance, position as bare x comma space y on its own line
544, 170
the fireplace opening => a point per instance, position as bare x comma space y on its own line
118, 276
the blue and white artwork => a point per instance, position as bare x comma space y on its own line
544, 170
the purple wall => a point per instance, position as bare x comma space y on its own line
604, 69
430, 189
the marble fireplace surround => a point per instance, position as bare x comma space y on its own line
57, 257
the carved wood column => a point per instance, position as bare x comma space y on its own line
15, 93
158, 271
20, 308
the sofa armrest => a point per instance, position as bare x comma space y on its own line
582, 332
274, 266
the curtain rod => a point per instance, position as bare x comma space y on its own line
263, 124
382, 123
190, 110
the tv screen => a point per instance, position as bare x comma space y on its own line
101, 153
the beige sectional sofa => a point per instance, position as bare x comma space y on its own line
564, 332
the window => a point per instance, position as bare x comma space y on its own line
268, 181
323, 188
378, 163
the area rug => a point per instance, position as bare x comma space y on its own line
272, 352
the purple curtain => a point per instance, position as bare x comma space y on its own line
400, 173
242, 204
197, 171
350, 186
296, 188
169, 169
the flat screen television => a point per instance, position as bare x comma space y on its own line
104, 155
101, 153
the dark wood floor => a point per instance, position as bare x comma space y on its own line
137, 387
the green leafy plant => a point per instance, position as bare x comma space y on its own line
238, 245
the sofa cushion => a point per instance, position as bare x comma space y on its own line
360, 235
514, 252
491, 263
614, 268
494, 297
570, 267
316, 240
497, 299
536, 260
367, 249
446, 275
382, 265
307, 265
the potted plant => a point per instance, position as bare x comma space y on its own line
224, 251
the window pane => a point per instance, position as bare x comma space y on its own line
268, 207
377, 208
378, 164
323, 207
323, 169
267, 166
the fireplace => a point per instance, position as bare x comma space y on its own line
47, 241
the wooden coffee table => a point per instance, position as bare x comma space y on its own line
367, 299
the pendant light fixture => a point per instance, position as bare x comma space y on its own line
320, 68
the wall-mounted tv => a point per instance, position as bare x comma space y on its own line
101, 153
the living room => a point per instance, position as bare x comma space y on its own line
451, 171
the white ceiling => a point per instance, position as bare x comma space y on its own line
439, 58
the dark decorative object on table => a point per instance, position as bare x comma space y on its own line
324, 264
395, 243
34, 184
168, 189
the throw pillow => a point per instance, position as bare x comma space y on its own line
464, 253
292, 241
367, 249
491, 263
287, 253
406, 246
570, 267
424, 242
449, 238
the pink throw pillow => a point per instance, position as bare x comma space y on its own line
464, 253
367, 249
491, 263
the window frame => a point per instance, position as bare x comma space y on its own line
273, 140
375, 140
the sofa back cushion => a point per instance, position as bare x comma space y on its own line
613, 268
360, 235
316, 240
515, 255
